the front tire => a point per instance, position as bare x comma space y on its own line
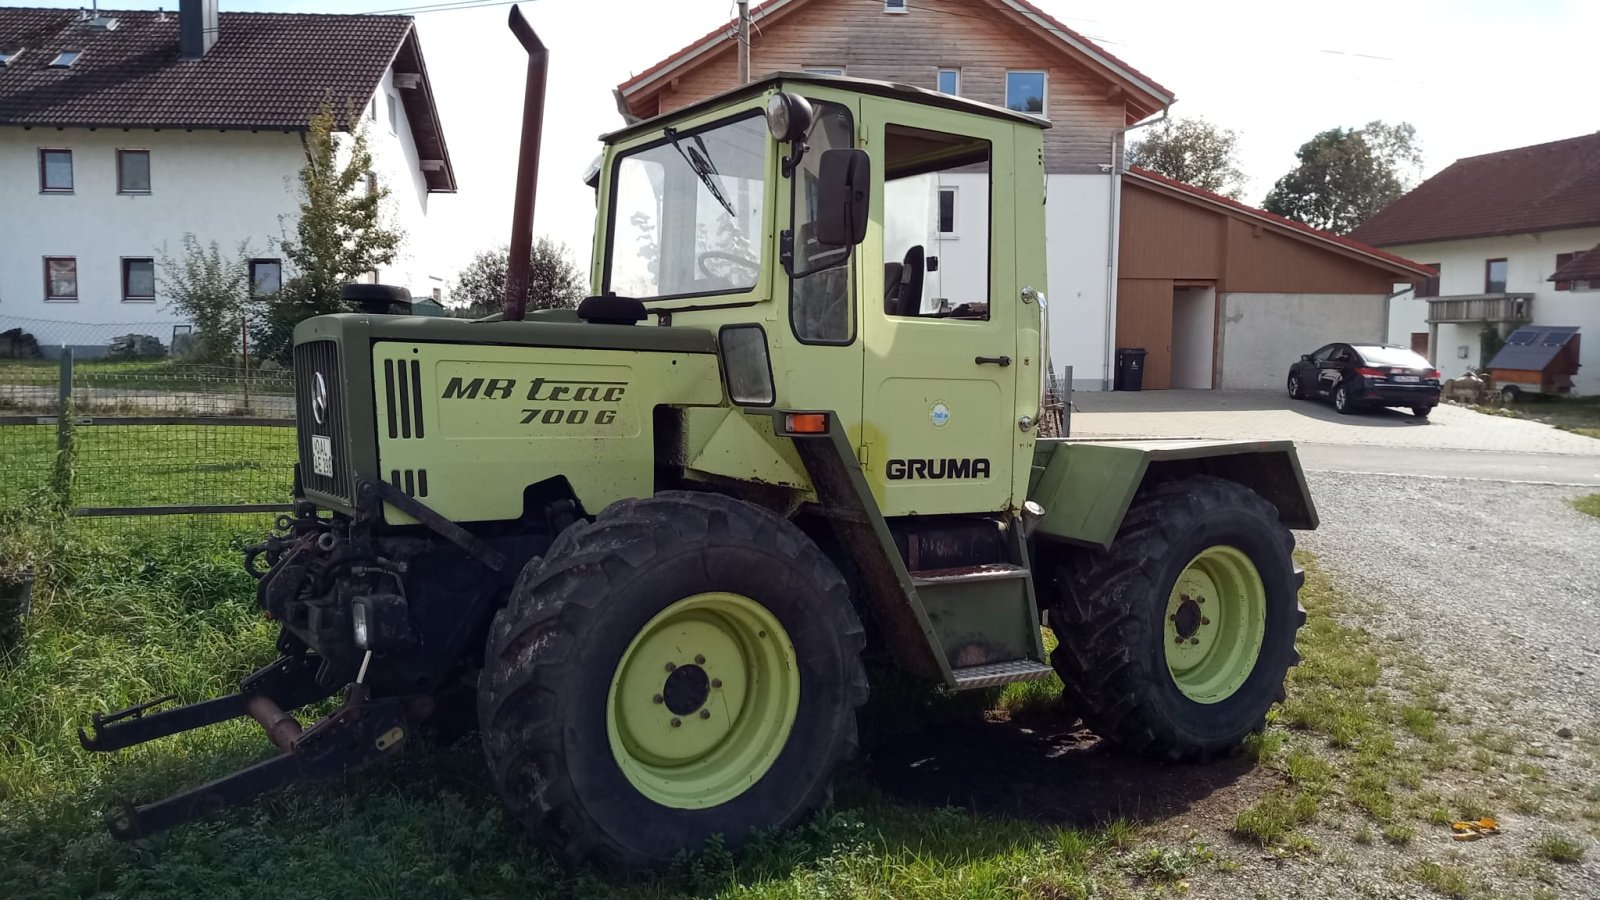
1296, 392
1421, 412
1177, 640
685, 666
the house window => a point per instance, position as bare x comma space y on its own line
947, 212
55, 171
61, 278
372, 109
824, 70
138, 279
266, 276
7, 57
1430, 287
65, 58
1561, 260
895, 6
133, 171
394, 114
372, 184
1025, 92
1494, 276
949, 81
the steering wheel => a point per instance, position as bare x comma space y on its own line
754, 265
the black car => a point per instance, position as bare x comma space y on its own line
1357, 375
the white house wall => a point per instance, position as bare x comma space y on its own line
1263, 333
397, 164
1530, 260
227, 187
1077, 210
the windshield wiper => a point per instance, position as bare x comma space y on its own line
699, 160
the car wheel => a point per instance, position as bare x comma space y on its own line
1510, 394
1421, 412
1341, 401
1295, 391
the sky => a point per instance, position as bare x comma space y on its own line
1473, 76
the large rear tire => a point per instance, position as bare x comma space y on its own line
685, 666
1177, 640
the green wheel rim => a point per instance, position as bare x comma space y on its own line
1215, 621
703, 700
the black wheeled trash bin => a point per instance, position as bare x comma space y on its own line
1130, 369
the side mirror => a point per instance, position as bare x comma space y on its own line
844, 178
1305, 357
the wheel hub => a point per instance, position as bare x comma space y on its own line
1186, 621
686, 689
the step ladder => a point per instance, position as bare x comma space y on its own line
968, 584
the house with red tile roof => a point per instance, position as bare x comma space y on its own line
1218, 294
1514, 238
123, 131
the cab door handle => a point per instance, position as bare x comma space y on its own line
1001, 361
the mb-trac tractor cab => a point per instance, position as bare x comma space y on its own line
796, 426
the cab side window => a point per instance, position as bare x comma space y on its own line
935, 224
820, 311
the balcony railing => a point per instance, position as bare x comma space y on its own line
1508, 308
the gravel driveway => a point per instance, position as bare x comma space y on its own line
1496, 586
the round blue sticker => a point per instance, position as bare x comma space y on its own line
939, 415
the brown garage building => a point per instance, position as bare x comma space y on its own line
1224, 295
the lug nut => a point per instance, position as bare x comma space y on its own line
1178, 639
699, 660
658, 699
705, 713
676, 722
1172, 618
672, 667
1204, 621
1195, 641
716, 682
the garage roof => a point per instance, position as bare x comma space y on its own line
1531, 349
1344, 246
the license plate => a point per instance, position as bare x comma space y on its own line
1407, 378
322, 455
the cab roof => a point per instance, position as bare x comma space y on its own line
891, 90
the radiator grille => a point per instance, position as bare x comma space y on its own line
311, 359
402, 388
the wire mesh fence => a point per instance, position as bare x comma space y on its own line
151, 437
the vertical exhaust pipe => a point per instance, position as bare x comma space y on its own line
527, 167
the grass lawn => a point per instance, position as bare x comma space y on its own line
155, 465
171, 612
1579, 415
1589, 504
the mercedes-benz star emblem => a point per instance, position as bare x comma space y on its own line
319, 399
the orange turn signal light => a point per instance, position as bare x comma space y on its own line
806, 423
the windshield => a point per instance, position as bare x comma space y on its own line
687, 212
1393, 356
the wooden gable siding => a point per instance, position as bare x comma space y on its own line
1163, 236
981, 41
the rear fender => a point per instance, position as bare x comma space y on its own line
1086, 487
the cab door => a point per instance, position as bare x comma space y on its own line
940, 372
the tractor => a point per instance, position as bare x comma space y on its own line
655, 541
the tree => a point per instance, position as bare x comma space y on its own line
212, 292
1195, 152
1346, 175
553, 280
340, 235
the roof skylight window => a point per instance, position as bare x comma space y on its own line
65, 58
8, 56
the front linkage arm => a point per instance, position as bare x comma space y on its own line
357, 732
